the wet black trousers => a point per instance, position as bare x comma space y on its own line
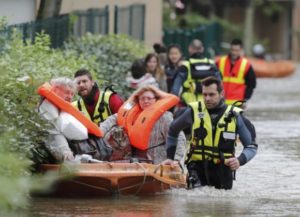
208, 173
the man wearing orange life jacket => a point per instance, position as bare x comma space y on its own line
69, 135
57, 144
238, 76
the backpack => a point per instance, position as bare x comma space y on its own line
97, 147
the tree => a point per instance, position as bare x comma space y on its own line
48, 8
248, 27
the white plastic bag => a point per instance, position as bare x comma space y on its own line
49, 111
71, 127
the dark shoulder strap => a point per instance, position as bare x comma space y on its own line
103, 104
79, 105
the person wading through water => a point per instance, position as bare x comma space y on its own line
214, 126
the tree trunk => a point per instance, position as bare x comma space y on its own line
49, 8
248, 30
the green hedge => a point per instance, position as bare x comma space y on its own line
114, 55
23, 67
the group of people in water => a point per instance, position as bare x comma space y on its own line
182, 111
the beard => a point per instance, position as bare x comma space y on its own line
90, 98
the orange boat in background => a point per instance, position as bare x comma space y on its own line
105, 179
277, 68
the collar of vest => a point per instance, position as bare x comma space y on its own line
197, 55
219, 107
237, 59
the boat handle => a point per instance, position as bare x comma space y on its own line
161, 169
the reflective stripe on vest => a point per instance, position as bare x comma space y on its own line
96, 116
214, 148
189, 85
234, 80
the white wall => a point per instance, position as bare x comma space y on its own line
18, 11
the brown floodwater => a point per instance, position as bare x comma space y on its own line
269, 185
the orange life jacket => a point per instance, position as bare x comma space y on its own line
45, 90
138, 123
234, 79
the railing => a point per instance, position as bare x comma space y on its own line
62, 27
210, 35
130, 20
57, 28
95, 21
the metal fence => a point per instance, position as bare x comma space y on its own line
130, 20
95, 21
62, 27
210, 35
57, 28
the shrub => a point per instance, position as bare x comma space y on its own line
114, 56
23, 68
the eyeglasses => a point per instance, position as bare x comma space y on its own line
145, 98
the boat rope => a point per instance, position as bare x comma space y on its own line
144, 179
91, 186
139, 184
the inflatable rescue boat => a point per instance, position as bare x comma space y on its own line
278, 68
275, 69
99, 178
105, 179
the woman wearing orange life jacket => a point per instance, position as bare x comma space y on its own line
146, 120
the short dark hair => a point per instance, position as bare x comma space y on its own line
159, 48
237, 42
138, 68
212, 80
82, 72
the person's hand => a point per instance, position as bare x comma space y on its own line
233, 163
170, 162
68, 156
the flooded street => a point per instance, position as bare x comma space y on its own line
269, 185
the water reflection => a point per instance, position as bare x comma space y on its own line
267, 186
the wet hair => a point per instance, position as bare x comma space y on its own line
237, 42
212, 80
82, 72
63, 82
138, 68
